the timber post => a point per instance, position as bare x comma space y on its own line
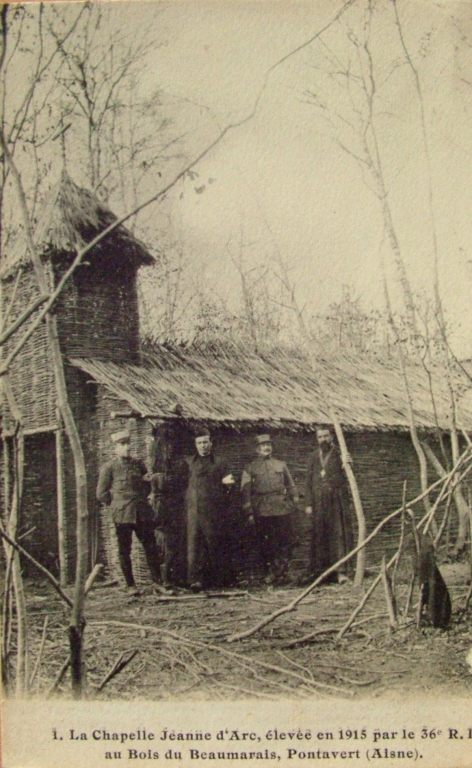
61, 513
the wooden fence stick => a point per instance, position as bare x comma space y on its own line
400, 546
92, 577
388, 593
361, 605
40, 654
410, 594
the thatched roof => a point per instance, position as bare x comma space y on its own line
71, 217
278, 390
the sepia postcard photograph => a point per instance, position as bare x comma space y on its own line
236, 383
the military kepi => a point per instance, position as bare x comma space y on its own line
123, 436
261, 439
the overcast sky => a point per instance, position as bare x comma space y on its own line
283, 180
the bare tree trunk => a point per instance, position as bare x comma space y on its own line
76, 621
414, 432
61, 512
22, 672
462, 506
364, 81
13, 563
345, 456
411, 414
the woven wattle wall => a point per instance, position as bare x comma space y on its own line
38, 516
31, 373
382, 461
98, 312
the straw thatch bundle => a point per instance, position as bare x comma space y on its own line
70, 217
239, 387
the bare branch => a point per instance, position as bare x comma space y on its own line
37, 565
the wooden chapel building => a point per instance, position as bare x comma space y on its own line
111, 383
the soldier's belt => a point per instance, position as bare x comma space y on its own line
271, 493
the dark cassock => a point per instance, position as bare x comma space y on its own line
207, 500
327, 495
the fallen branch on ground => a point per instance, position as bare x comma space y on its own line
230, 654
395, 558
59, 677
362, 603
292, 605
120, 664
329, 630
201, 596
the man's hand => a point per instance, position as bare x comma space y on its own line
154, 477
228, 479
308, 510
250, 519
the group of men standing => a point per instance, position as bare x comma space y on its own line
190, 499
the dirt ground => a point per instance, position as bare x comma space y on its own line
182, 650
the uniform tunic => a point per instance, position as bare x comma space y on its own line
267, 488
269, 493
122, 487
206, 498
327, 494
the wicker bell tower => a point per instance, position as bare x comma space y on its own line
97, 317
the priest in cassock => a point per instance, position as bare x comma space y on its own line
208, 499
327, 501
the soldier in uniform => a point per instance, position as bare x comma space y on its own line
269, 497
207, 497
124, 485
328, 504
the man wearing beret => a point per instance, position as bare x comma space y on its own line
207, 496
124, 485
269, 498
